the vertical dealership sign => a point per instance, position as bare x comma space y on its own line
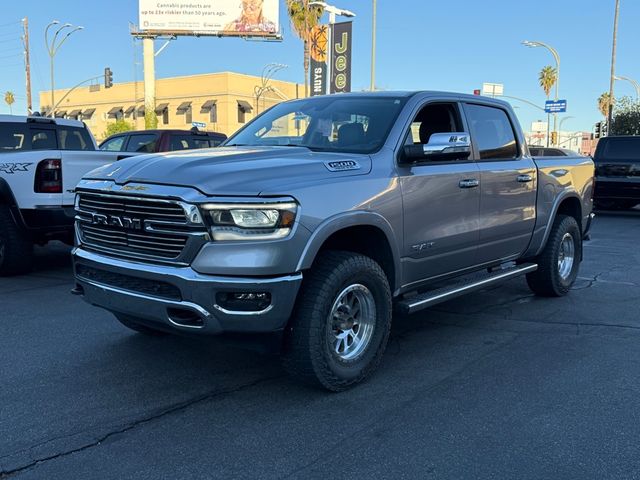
341, 57
318, 52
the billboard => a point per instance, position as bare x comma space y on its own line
318, 53
211, 17
341, 57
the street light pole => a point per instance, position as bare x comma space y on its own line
633, 82
52, 49
556, 57
267, 75
613, 66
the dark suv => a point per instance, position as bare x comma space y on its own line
151, 141
617, 162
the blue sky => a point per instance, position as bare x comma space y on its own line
422, 44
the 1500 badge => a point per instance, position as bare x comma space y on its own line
342, 165
14, 167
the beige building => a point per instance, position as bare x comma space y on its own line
222, 101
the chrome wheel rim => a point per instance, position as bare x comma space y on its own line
566, 256
351, 322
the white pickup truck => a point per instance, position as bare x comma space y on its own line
41, 161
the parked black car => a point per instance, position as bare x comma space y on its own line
151, 141
551, 152
617, 162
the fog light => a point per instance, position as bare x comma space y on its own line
243, 301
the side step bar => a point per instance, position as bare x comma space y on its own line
470, 284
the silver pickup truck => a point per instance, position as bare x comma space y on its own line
321, 215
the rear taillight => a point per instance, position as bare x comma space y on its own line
49, 177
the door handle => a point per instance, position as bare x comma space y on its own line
469, 183
524, 178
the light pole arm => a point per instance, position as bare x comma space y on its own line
72, 89
525, 101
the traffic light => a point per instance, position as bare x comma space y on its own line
108, 78
598, 130
605, 129
554, 138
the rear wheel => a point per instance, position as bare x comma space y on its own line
340, 327
16, 249
559, 262
134, 324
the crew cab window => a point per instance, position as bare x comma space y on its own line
620, 149
12, 136
114, 144
142, 143
434, 118
43, 139
187, 142
492, 132
73, 138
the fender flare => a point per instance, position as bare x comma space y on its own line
568, 193
6, 194
345, 220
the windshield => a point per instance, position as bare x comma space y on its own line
333, 124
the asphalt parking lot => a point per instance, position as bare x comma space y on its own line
499, 384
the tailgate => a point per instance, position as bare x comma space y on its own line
76, 164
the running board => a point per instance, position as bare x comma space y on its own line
462, 287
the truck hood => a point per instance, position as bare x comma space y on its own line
241, 171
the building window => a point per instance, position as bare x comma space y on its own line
244, 107
213, 114
188, 116
163, 110
185, 109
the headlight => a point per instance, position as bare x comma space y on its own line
255, 221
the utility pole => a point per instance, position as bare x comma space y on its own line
27, 64
373, 49
149, 65
613, 67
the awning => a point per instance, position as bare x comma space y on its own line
161, 107
141, 110
208, 105
244, 105
184, 106
130, 110
88, 113
74, 113
114, 111
60, 113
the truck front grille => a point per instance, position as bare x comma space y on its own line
142, 228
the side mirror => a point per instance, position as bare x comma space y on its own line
441, 146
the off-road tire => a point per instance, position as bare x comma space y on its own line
135, 325
306, 351
547, 281
16, 249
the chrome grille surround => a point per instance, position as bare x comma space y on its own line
147, 229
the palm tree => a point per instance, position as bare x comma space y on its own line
548, 78
603, 104
303, 19
10, 99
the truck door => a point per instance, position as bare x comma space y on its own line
508, 184
441, 202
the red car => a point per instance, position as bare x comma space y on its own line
150, 141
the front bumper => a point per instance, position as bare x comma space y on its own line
180, 298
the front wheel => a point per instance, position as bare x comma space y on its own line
341, 323
559, 262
